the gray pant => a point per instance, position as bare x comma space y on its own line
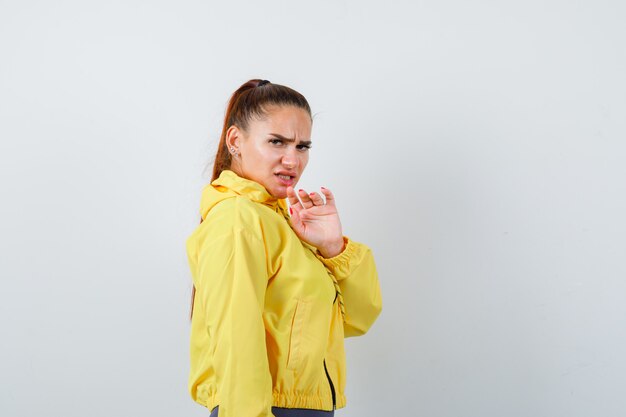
291, 412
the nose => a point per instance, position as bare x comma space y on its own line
290, 159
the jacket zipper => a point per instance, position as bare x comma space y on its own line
332, 387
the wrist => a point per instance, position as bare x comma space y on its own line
333, 249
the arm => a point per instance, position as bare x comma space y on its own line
355, 271
232, 280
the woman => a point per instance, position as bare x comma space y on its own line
276, 289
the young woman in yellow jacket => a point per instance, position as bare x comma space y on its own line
277, 286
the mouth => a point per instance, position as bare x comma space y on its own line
285, 178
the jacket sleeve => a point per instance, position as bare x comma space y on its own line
232, 280
355, 272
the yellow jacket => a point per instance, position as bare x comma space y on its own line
270, 312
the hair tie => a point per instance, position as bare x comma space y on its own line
262, 82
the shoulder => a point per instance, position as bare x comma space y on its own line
235, 213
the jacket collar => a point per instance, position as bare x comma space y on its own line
229, 180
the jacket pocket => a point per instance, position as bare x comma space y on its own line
298, 325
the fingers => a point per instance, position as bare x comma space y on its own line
296, 221
291, 197
330, 198
305, 198
316, 199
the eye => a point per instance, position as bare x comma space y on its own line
280, 142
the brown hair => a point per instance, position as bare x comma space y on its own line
250, 100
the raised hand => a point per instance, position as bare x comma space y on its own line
316, 222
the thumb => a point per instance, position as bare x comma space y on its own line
295, 218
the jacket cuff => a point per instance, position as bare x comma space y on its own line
339, 265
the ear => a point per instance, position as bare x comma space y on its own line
233, 137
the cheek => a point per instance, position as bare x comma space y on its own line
263, 154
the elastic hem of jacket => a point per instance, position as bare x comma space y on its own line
288, 401
304, 401
341, 264
342, 258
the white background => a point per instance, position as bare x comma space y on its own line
476, 147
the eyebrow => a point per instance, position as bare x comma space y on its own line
303, 142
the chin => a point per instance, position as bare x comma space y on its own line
279, 193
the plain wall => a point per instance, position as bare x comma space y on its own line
476, 147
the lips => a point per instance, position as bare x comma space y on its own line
287, 173
286, 178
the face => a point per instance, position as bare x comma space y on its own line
273, 151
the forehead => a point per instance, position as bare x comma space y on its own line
287, 120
